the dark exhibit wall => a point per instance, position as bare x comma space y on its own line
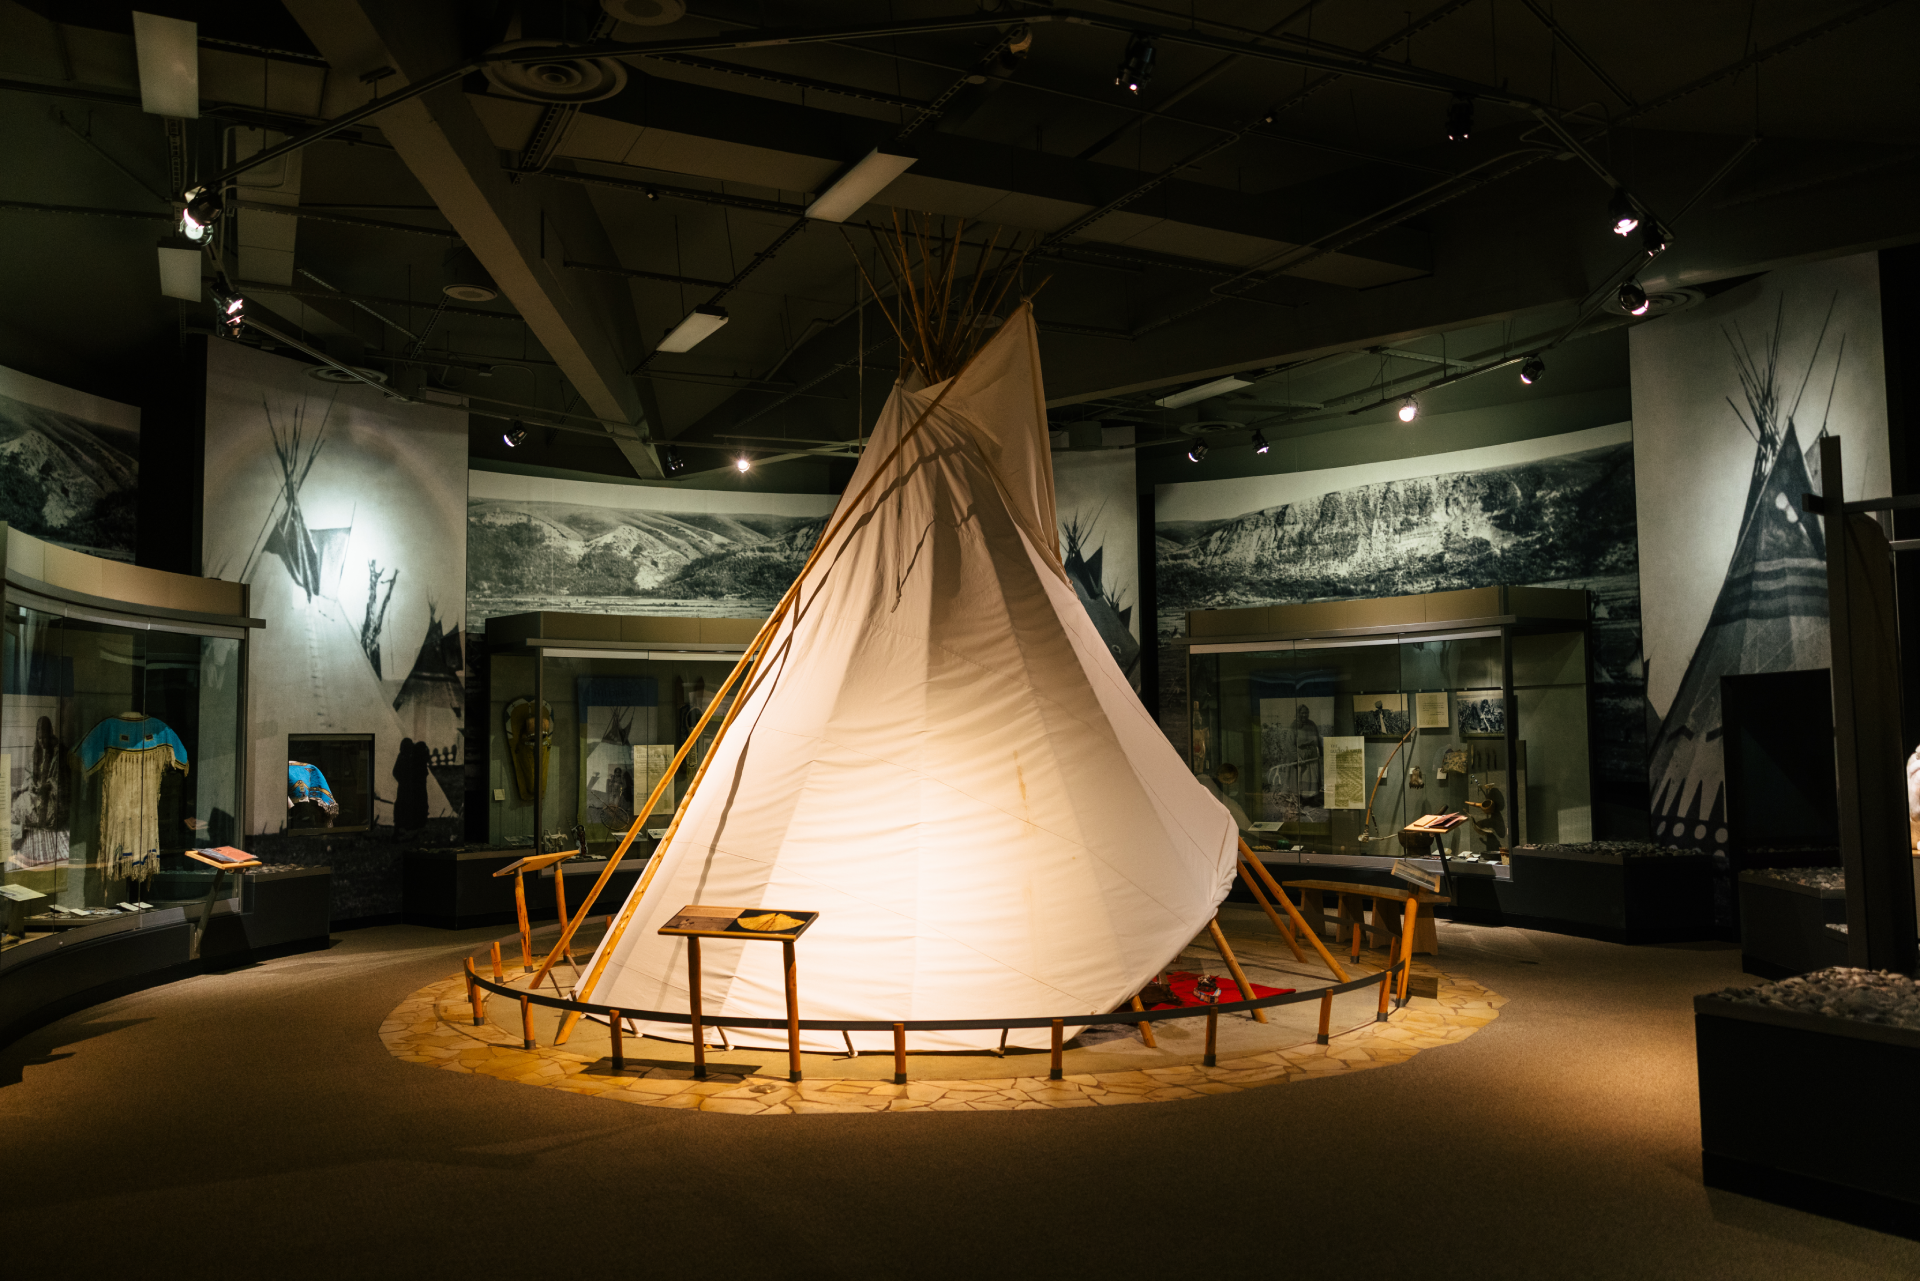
342, 511
1555, 511
1730, 400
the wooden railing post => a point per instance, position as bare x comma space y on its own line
1326, 1016
1213, 1028
526, 1023
473, 994
1055, 1073
899, 1053
619, 1046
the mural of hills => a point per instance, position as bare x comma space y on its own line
1562, 518
67, 480
526, 555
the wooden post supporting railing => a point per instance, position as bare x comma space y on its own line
899, 1053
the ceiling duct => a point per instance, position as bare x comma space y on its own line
463, 279
560, 79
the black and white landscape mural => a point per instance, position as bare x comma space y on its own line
542, 544
1730, 400
69, 466
1556, 511
1100, 545
335, 504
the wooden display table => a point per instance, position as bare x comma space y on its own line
695, 922
1405, 930
222, 859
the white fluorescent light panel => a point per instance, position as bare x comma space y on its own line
180, 273
168, 53
699, 325
1218, 387
858, 185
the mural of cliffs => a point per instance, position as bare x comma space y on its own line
1550, 519
69, 466
536, 544
1552, 512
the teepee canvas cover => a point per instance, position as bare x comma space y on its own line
941, 759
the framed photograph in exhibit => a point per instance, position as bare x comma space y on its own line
618, 717
1432, 710
1482, 712
1346, 772
1292, 757
1380, 715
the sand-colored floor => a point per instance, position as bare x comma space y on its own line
1111, 1065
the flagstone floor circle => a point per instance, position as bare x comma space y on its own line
434, 1027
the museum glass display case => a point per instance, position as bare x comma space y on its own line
1327, 740
120, 737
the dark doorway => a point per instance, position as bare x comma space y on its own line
1781, 806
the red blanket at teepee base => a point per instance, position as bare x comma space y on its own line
1181, 984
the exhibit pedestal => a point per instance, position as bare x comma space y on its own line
1620, 897
1783, 926
1850, 1155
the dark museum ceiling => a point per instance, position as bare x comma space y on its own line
1280, 202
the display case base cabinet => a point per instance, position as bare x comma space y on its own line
457, 889
1844, 1152
1622, 900
1783, 928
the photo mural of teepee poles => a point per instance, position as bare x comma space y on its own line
1771, 612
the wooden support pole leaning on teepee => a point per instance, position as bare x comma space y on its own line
1146, 1028
1283, 928
1233, 966
749, 661
1280, 896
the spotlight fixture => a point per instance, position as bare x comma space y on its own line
1633, 299
694, 328
1196, 451
233, 308
202, 211
1409, 410
1532, 370
515, 435
1136, 69
1259, 443
1621, 210
671, 461
1460, 117
743, 464
1652, 239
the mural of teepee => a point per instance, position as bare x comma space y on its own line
1085, 570
1770, 615
287, 534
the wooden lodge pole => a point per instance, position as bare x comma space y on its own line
526, 926
1233, 966
1293, 913
499, 970
1145, 1025
1281, 926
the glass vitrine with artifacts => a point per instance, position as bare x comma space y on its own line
582, 728
120, 740
1332, 742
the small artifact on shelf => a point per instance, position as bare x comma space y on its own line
1415, 778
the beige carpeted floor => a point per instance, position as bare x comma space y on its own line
252, 1124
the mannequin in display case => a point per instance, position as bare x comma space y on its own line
132, 754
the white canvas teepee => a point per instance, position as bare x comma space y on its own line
942, 760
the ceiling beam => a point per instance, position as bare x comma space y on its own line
522, 232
